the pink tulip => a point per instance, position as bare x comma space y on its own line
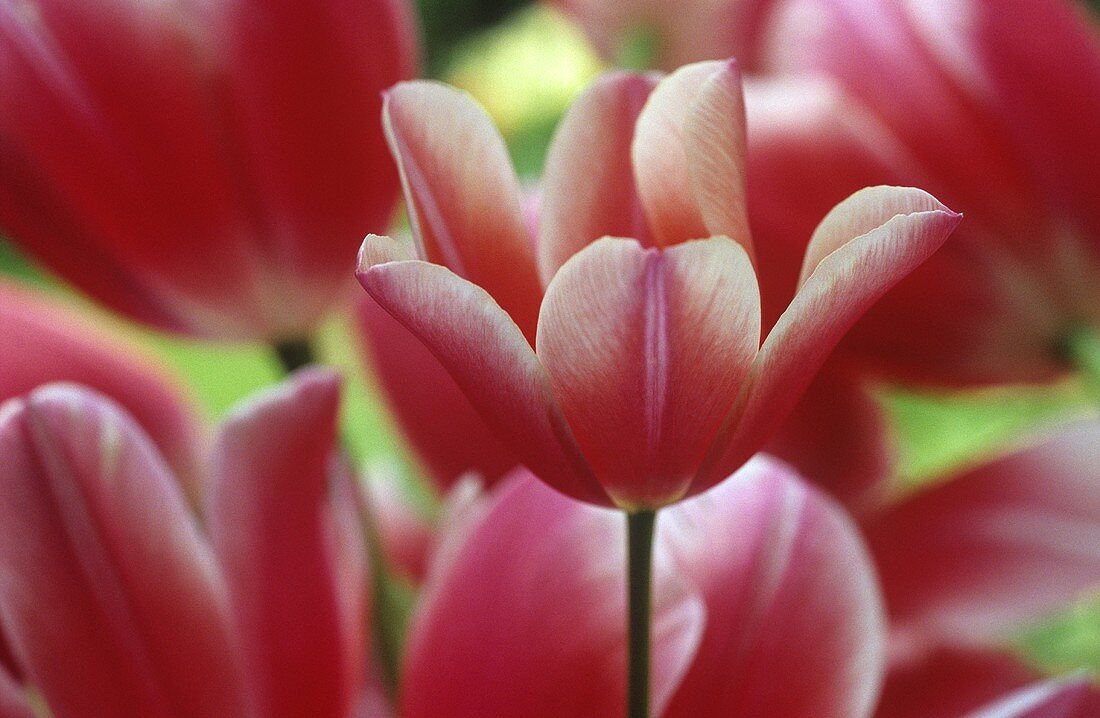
122, 606
672, 33
966, 99
45, 341
651, 381
204, 167
963, 562
765, 605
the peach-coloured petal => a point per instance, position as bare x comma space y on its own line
110, 597
491, 361
463, 197
646, 349
1000, 546
588, 184
526, 617
689, 155
861, 249
284, 525
795, 623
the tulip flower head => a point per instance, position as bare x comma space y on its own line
204, 167
626, 363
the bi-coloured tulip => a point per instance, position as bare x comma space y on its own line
204, 167
631, 370
120, 604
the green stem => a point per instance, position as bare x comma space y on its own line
294, 354
388, 621
639, 547
1083, 348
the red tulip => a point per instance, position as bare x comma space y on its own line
651, 381
45, 341
765, 605
205, 167
123, 608
967, 100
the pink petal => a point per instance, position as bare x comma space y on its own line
948, 682
588, 186
646, 350
838, 438
463, 196
526, 617
863, 247
1059, 698
404, 529
491, 361
57, 344
1002, 545
689, 155
284, 525
445, 431
795, 624
112, 602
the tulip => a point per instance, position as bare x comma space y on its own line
765, 604
966, 100
46, 341
124, 607
966, 561
202, 167
650, 382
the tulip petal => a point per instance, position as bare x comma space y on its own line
861, 249
445, 430
1000, 546
463, 197
526, 617
491, 361
790, 591
1058, 698
948, 682
110, 597
645, 349
838, 438
405, 531
588, 185
689, 155
50, 342
13, 699
285, 530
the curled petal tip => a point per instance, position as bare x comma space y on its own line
378, 249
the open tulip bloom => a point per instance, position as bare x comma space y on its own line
630, 370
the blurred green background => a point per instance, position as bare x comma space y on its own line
524, 63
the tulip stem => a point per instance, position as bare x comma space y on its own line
639, 546
386, 624
294, 354
1084, 351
